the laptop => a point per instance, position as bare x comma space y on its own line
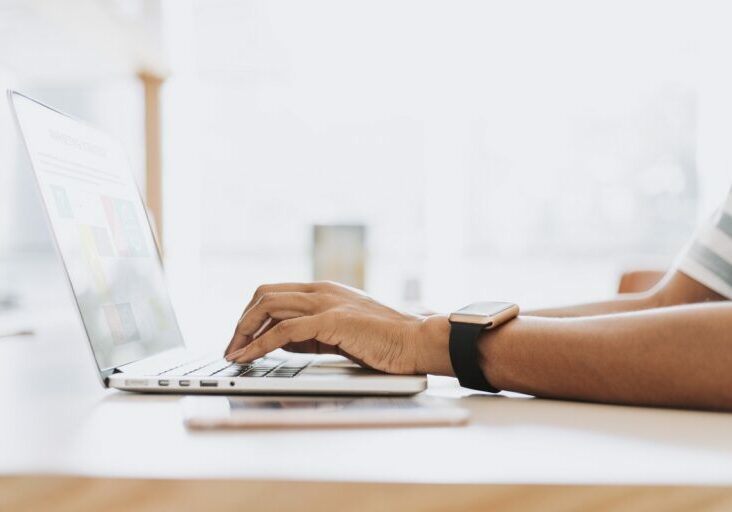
108, 249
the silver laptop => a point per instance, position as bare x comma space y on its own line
107, 246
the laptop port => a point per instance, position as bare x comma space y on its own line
209, 383
184, 382
163, 382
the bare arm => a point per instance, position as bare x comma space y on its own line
671, 346
674, 289
660, 354
677, 356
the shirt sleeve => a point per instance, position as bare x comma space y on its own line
708, 258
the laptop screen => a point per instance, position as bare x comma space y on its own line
102, 233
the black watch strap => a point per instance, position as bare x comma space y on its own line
464, 356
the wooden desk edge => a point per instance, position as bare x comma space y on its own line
80, 494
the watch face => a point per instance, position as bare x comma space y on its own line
488, 314
484, 308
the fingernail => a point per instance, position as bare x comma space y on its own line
237, 354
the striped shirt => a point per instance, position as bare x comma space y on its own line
709, 257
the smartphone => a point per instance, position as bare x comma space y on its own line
210, 412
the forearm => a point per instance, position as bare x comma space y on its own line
621, 304
676, 288
678, 356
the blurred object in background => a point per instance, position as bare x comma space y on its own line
412, 297
339, 254
412, 291
11, 323
7, 300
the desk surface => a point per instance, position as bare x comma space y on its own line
57, 419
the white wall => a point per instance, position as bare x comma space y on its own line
714, 155
541, 146
7, 164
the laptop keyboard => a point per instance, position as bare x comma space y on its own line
264, 367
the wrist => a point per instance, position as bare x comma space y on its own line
433, 346
503, 353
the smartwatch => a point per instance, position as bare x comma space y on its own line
466, 326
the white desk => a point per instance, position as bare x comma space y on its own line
57, 419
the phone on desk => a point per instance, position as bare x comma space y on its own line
295, 412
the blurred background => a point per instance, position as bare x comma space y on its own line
529, 151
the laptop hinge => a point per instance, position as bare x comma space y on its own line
105, 375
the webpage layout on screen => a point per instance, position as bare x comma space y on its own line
103, 235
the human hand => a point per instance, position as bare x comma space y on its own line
329, 318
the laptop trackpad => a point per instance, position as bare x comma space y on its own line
337, 365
